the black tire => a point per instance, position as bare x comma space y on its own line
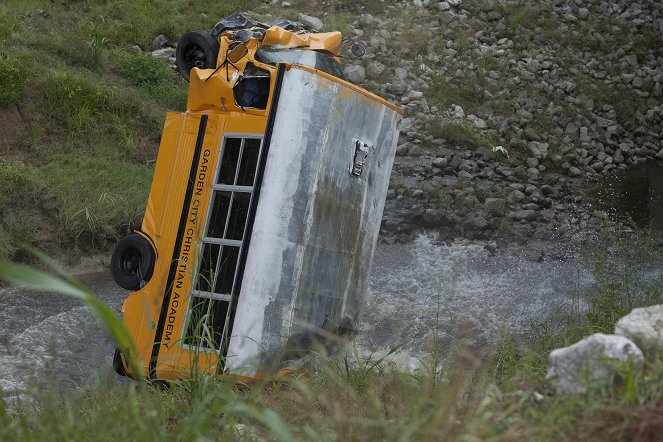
132, 263
196, 49
118, 365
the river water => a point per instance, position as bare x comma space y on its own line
415, 288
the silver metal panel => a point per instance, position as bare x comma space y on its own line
316, 222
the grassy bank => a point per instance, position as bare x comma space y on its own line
456, 394
82, 116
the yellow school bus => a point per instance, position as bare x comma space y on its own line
264, 209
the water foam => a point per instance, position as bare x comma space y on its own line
424, 289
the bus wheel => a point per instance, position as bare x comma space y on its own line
196, 49
132, 263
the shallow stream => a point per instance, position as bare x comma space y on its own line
415, 288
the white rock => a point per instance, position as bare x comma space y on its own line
457, 111
401, 74
591, 362
644, 326
159, 42
538, 150
444, 6
165, 53
313, 22
478, 122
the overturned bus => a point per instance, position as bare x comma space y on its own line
264, 209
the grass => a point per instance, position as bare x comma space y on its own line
13, 78
624, 100
465, 135
92, 198
93, 115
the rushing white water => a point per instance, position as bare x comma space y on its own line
462, 292
415, 288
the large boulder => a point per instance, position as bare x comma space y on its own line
355, 73
591, 363
644, 326
311, 22
495, 206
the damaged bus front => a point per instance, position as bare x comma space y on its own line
264, 210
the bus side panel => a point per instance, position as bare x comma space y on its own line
143, 308
175, 361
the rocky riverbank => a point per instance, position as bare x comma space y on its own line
512, 107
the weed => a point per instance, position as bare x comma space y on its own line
153, 76
96, 43
13, 78
506, 225
645, 42
624, 100
18, 185
76, 99
465, 135
94, 199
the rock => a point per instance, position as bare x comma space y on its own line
135, 49
538, 150
547, 190
401, 74
571, 130
583, 13
638, 82
495, 206
159, 42
312, 22
395, 88
591, 362
574, 171
478, 122
165, 53
457, 111
444, 6
435, 218
517, 195
644, 326
523, 215
355, 73
375, 70
440, 162
475, 222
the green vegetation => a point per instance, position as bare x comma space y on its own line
83, 212
465, 134
458, 396
76, 170
625, 278
624, 100
13, 79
